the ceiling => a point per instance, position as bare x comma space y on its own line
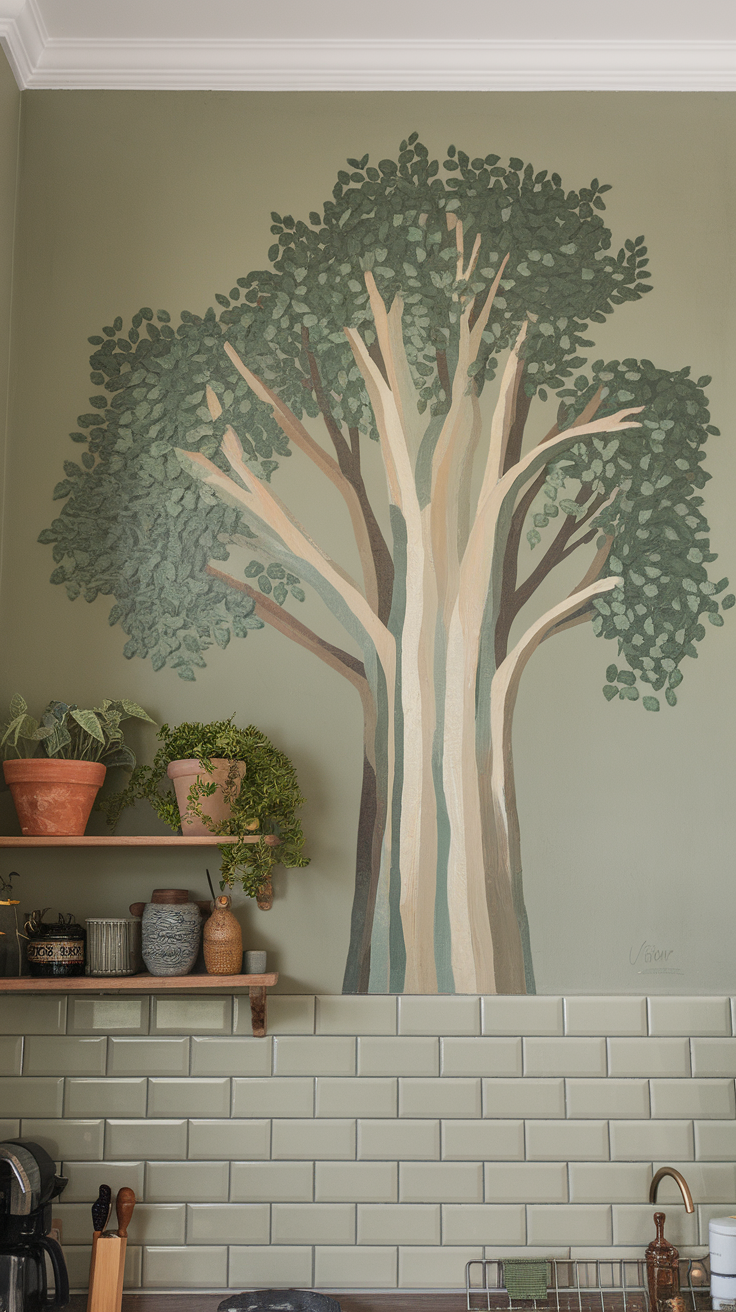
383, 44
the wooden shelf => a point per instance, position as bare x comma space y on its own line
112, 840
257, 986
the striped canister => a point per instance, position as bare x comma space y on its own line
113, 947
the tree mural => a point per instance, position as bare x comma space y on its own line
384, 318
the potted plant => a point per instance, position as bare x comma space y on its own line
231, 781
54, 767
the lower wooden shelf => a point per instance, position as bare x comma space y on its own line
257, 986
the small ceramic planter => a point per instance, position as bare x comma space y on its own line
227, 777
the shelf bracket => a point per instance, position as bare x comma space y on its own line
258, 1003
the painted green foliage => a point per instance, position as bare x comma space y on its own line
139, 526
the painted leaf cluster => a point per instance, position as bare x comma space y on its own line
137, 527
645, 486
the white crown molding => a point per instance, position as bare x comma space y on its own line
344, 65
23, 37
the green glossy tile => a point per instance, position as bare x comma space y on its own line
186, 1015
195, 1182
345, 1268
268, 1267
146, 1139
159, 1223
61, 1055
356, 1015
29, 1015
272, 1182
11, 1054
148, 1057
85, 1179
228, 1223
67, 1140
323, 1055
31, 1097
198, 1267
356, 1182
313, 1223
108, 1016
210, 1140
190, 1097
273, 1097
287, 1014
310, 1140
234, 1056
105, 1097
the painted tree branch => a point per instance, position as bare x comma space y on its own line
504, 690
333, 428
348, 457
399, 473
504, 415
271, 613
270, 514
557, 551
508, 610
298, 434
586, 611
455, 447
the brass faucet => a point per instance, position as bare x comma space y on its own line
679, 1179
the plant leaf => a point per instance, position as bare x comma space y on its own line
88, 721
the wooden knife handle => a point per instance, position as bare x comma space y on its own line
124, 1204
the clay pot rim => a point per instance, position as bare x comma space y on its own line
193, 765
55, 770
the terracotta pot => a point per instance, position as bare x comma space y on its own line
184, 774
53, 797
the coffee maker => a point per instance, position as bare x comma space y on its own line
28, 1183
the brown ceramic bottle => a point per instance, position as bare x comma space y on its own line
223, 940
663, 1267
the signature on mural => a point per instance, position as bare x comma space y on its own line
433, 309
653, 960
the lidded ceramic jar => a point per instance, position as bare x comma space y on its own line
54, 951
171, 928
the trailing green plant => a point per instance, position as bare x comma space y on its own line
265, 802
68, 733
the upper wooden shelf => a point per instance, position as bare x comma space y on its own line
113, 840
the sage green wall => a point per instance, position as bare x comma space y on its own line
162, 199
9, 126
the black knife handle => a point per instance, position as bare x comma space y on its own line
101, 1208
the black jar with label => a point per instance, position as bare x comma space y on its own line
55, 951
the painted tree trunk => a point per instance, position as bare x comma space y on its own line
408, 955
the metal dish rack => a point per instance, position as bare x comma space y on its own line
590, 1286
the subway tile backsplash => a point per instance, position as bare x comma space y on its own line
373, 1142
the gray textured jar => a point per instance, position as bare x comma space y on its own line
171, 933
